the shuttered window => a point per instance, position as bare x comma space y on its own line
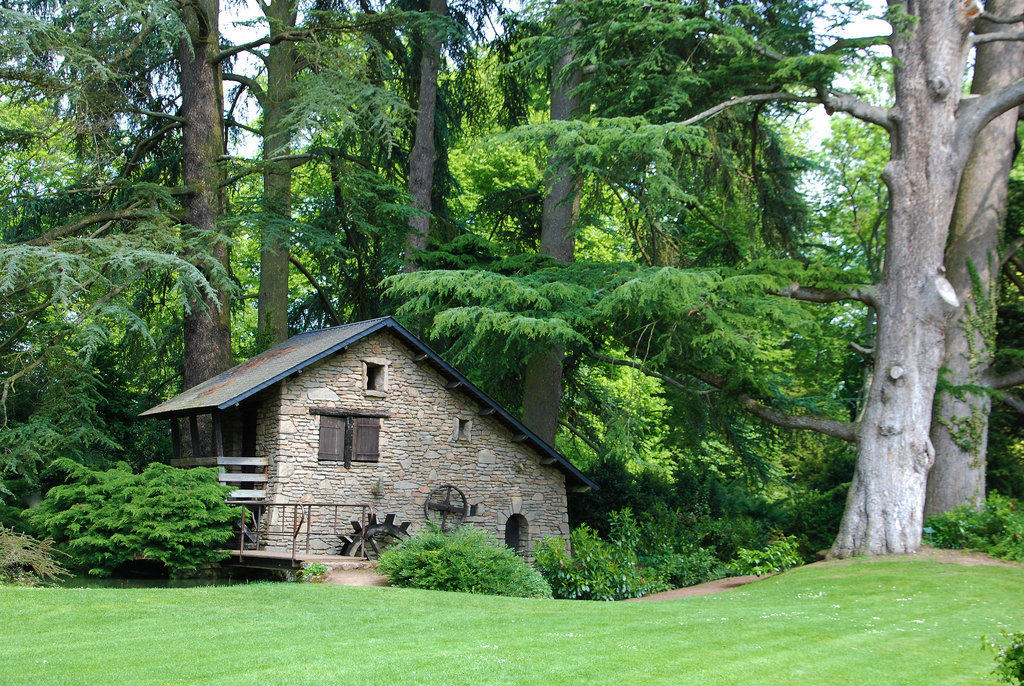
365, 439
332, 438
349, 439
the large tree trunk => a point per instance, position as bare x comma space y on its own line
959, 427
272, 310
914, 300
542, 383
207, 326
424, 154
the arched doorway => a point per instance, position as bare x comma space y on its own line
516, 532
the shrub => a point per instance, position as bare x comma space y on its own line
314, 572
1009, 656
596, 570
777, 556
467, 559
26, 561
997, 529
106, 518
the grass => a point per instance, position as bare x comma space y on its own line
907, 622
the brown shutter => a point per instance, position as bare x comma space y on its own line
366, 439
332, 437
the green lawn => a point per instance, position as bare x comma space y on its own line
861, 623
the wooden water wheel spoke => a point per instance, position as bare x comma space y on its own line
446, 503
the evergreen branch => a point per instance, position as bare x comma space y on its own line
1001, 20
29, 317
865, 294
1010, 251
846, 431
864, 42
158, 115
975, 113
294, 36
245, 127
1013, 402
636, 365
331, 311
293, 161
981, 38
114, 215
254, 87
1012, 275
1007, 380
578, 434
861, 350
778, 96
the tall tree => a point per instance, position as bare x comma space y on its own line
207, 327
424, 155
542, 377
959, 429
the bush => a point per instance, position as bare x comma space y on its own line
777, 556
106, 518
597, 569
314, 572
998, 529
1009, 657
26, 561
467, 559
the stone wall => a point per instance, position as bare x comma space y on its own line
422, 446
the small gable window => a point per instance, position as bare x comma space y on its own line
463, 429
349, 439
375, 377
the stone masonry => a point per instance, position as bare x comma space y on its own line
433, 436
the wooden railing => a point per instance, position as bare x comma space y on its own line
250, 485
293, 527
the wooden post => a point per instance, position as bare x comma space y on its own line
193, 429
218, 434
175, 438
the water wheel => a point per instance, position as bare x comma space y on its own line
373, 536
446, 507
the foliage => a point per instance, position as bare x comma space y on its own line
314, 572
106, 518
997, 529
26, 561
1009, 656
467, 559
779, 555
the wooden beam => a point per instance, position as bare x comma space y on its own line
193, 429
452, 385
518, 438
218, 435
580, 489
346, 412
547, 461
487, 412
175, 438
420, 358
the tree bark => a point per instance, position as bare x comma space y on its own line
542, 382
959, 427
424, 153
272, 308
207, 325
885, 505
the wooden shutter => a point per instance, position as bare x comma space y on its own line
332, 438
365, 439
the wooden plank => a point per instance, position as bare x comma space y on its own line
247, 494
548, 461
175, 438
487, 412
346, 412
218, 435
243, 462
193, 427
228, 477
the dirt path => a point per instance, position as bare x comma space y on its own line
959, 557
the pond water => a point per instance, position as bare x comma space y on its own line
142, 576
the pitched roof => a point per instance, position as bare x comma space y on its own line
297, 353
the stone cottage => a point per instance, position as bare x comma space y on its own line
367, 413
